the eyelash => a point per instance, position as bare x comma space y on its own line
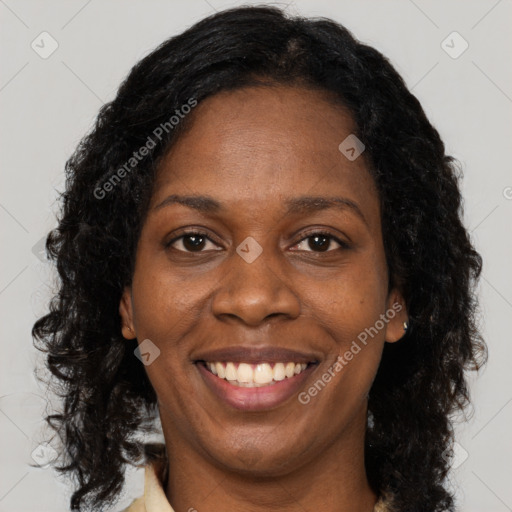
343, 245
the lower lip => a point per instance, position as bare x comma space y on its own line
258, 398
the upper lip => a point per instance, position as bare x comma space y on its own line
268, 354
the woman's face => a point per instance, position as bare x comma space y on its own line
289, 268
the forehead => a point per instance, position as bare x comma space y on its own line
258, 145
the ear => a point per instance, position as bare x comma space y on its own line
398, 317
126, 312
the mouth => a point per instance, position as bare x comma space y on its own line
249, 375
251, 379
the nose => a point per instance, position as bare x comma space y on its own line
254, 292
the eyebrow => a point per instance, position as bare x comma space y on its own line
296, 205
203, 204
310, 204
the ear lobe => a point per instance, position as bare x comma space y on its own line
126, 312
398, 318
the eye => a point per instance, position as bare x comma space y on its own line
192, 241
195, 241
320, 242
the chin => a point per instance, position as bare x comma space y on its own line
267, 461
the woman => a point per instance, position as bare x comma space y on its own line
261, 246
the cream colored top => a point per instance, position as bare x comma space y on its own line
155, 500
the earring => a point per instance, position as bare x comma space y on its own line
406, 326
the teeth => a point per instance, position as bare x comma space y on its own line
262, 374
220, 370
279, 372
289, 369
230, 372
244, 373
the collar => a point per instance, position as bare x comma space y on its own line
154, 498
154, 494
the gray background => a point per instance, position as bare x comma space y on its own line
48, 104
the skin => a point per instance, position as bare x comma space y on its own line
252, 150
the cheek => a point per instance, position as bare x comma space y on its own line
164, 312
165, 305
351, 301
350, 310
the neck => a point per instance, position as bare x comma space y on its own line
333, 481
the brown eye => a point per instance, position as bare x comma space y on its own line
192, 242
319, 242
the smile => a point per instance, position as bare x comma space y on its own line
256, 386
255, 375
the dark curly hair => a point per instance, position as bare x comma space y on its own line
107, 399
